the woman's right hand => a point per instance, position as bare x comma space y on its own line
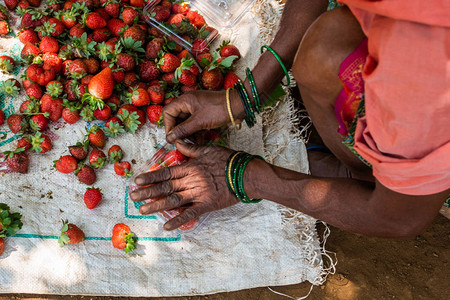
199, 110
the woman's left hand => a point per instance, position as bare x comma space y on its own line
199, 183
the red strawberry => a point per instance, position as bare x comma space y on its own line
24, 143
130, 15
187, 78
115, 153
137, 3
154, 114
10, 87
92, 197
35, 3
122, 238
41, 143
52, 62
34, 91
169, 63
28, 106
69, 18
101, 35
76, 69
79, 151
178, 8
102, 84
113, 8
156, 93
96, 137
2, 245
7, 63
230, 79
57, 27
136, 33
123, 169
116, 26
103, 13
148, 71
94, 21
77, 30
199, 46
39, 75
140, 97
196, 19
29, 52
97, 158
49, 44
228, 50
86, 175
204, 59
130, 79
212, 79
70, 234
38, 122
173, 158
103, 114
11, 4
125, 61
52, 106
66, 164
17, 123
4, 28
169, 78
54, 88
17, 160
28, 36
160, 13
70, 116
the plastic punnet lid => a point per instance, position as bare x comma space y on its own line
223, 14
183, 33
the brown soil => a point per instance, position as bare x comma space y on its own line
368, 268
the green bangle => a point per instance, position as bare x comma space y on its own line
250, 118
251, 80
235, 173
241, 180
288, 79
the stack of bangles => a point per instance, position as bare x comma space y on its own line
249, 108
234, 174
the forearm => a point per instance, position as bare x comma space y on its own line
297, 17
345, 203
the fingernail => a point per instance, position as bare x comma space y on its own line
171, 137
167, 226
134, 196
144, 210
139, 181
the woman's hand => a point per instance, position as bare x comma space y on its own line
199, 183
199, 110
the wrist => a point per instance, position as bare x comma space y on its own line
237, 108
252, 182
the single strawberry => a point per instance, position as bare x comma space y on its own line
53, 27
230, 79
70, 234
92, 197
10, 87
130, 15
102, 85
136, 33
29, 52
169, 63
128, 115
54, 88
38, 122
115, 153
139, 97
77, 31
86, 175
212, 79
116, 26
70, 116
69, 18
103, 114
137, 3
96, 136
52, 62
94, 21
122, 238
97, 159
157, 94
114, 127
41, 143
160, 13
34, 91
123, 169
227, 50
79, 151
66, 164
102, 12
11, 4
125, 61
169, 78
76, 69
54, 107
173, 158
4, 28
86, 79
17, 123
35, 3
199, 46
154, 114
204, 59
17, 160
148, 71
187, 78
7, 63
2, 117
101, 35
112, 7
37, 74
196, 19
24, 143
130, 79
48, 44
189, 88
28, 36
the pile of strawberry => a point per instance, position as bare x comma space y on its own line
99, 60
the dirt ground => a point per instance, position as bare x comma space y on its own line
368, 268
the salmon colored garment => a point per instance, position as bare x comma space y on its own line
405, 134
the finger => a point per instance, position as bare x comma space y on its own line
189, 214
170, 202
179, 109
186, 128
190, 150
161, 175
159, 190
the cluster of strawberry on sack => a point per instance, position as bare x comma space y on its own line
99, 60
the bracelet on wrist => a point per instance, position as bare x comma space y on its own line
255, 94
238, 126
288, 79
250, 118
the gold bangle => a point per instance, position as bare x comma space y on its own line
229, 170
238, 126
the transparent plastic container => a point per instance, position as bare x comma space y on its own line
218, 14
161, 159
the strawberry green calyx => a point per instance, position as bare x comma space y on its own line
32, 107
64, 238
46, 29
104, 52
4, 11
36, 142
10, 223
11, 153
82, 47
186, 64
94, 102
129, 121
9, 88
114, 129
66, 53
131, 243
37, 14
224, 65
87, 114
55, 89
224, 43
6, 65
21, 11
116, 156
100, 163
72, 105
131, 45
